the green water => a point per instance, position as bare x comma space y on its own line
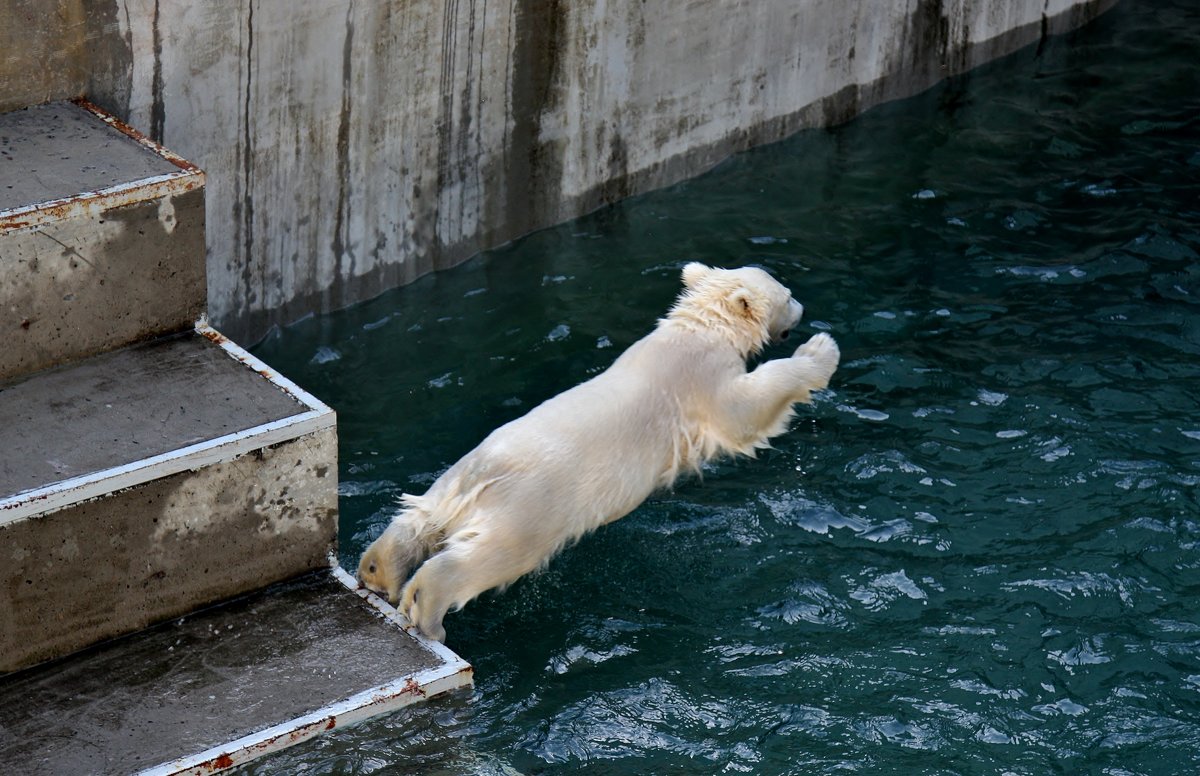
978, 553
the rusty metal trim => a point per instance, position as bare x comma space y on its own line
239, 353
392, 614
136, 136
315, 416
91, 204
454, 674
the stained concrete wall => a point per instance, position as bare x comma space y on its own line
352, 146
74, 287
82, 273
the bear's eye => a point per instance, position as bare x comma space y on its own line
371, 569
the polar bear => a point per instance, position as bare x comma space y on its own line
678, 397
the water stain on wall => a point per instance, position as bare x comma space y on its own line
63, 49
352, 146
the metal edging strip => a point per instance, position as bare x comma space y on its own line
125, 129
91, 203
31, 503
241, 354
317, 417
454, 674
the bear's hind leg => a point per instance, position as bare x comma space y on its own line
466, 567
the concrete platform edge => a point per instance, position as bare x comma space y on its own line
90, 204
392, 696
133, 134
241, 354
51, 498
59, 495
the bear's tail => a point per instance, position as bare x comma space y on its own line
413, 536
426, 522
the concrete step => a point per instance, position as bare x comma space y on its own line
150, 471
143, 483
102, 235
224, 685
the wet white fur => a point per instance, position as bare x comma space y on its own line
678, 397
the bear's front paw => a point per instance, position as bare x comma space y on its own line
823, 351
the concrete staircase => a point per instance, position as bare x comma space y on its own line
150, 469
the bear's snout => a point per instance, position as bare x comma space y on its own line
789, 319
797, 312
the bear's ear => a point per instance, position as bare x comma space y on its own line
744, 304
694, 272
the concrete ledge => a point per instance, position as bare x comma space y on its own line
117, 564
62, 156
224, 685
102, 234
237, 489
148, 411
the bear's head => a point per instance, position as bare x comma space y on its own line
747, 305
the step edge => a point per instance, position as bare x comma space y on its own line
138, 137
318, 416
454, 674
90, 204
393, 614
87, 203
237, 352
33, 503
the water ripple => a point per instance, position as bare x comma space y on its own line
978, 553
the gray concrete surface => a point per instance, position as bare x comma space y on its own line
119, 255
355, 146
176, 539
82, 284
61, 49
60, 150
200, 682
121, 407
113, 565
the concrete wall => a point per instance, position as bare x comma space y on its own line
76, 286
353, 145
